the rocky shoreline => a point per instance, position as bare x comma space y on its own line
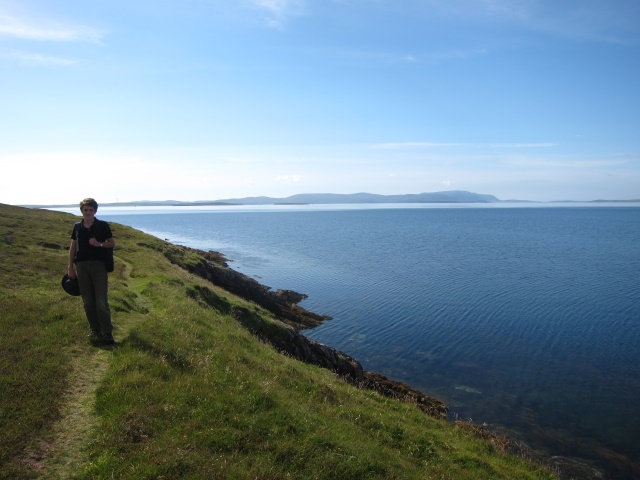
283, 304
288, 339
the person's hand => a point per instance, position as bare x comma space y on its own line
93, 242
71, 272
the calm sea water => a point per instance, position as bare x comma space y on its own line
526, 318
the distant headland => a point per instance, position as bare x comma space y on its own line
451, 196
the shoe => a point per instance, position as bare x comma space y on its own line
108, 339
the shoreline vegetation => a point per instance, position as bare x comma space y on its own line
210, 378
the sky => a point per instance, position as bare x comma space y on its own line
214, 99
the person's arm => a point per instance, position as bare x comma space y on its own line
72, 255
108, 243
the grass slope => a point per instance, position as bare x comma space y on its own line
187, 392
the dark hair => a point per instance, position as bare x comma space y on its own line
89, 201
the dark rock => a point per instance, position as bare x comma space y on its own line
290, 296
400, 391
288, 340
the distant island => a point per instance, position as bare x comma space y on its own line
451, 196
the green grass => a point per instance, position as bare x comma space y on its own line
188, 391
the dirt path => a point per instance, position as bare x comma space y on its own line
62, 454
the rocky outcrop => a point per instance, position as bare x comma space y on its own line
211, 265
392, 388
283, 333
288, 340
290, 296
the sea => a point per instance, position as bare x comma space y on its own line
523, 317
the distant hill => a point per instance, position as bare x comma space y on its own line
453, 196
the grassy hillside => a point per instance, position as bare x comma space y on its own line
187, 392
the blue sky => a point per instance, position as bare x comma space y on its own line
209, 99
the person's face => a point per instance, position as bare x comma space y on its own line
88, 211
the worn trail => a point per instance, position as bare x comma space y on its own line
63, 453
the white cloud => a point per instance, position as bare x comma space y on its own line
393, 58
28, 58
522, 145
280, 10
401, 145
407, 145
279, 7
46, 30
565, 163
456, 54
289, 178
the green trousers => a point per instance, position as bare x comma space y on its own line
93, 281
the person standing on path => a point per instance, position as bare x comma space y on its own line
88, 252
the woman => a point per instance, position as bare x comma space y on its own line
88, 251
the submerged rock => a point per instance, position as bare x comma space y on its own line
465, 388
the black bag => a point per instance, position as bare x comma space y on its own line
108, 260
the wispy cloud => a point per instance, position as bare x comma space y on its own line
394, 58
403, 145
36, 59
455, 54
280, 10
289, 178
484, 9
509, 9
565, 163
420, 145
36, 29
593, 20
520, 145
